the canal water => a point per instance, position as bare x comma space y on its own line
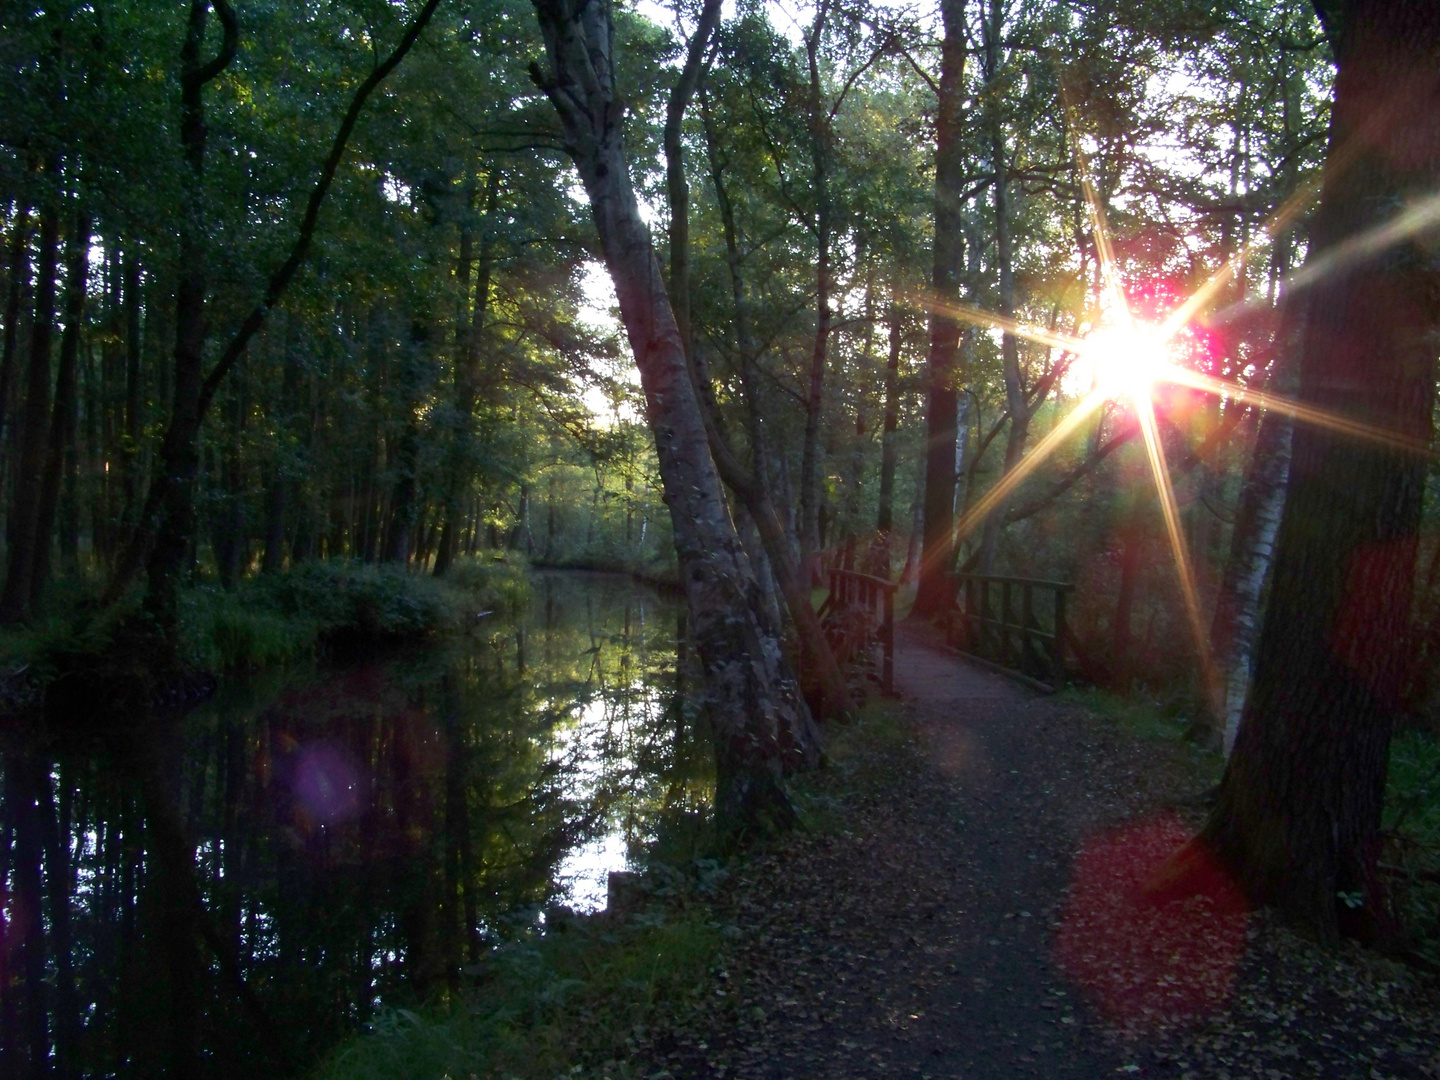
360, 833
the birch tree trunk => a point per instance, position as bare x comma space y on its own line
1252, 543
760, 725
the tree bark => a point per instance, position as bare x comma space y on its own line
171, 503
18, 265
1015, 398
820, 136
467, 376
824, 682
932, 594
675, 184
1252, 542
134, 384
761, 727
1299, 808
62, 417
277, 494
35, 417
884, 523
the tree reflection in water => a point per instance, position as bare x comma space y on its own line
357, 835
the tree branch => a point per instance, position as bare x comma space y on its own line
281, 278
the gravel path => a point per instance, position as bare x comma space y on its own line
972, 914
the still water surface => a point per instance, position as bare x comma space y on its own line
360, 834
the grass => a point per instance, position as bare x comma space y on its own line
1412, 819
544, 1005
859, 757
1149, 719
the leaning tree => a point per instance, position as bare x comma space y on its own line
761, 726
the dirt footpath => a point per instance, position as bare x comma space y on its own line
966, 907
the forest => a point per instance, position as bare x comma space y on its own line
435, 436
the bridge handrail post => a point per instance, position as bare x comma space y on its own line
887, 643
1007, 619
1027, 618
1057, 656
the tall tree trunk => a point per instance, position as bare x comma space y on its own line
229, 539
885, 514
824, 682
28, 478
134, 385
1299, 808
1009, 346
277, 494
932, 594
62, 418
675, 184
467, 376
400, 535
170, 510
1252, 540
1262, 493
820, 136
18, 266
760, 725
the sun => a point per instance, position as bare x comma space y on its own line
1126, 358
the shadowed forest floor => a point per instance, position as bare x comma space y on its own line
963, 905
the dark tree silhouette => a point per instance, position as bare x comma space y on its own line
1299, 811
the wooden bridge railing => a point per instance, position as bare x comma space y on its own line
1015, 623
873, 596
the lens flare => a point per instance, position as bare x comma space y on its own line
1127, 358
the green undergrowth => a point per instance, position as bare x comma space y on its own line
73, 625
870, 751
1150, 719
269, 620
1411, 861
272, 619
539, 1007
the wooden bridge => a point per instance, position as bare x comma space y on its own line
859, 609
1013, 624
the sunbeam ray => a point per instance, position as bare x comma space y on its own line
1415, 219
1288, 211
1027, 465
1179, 550
1341, 425
980, 317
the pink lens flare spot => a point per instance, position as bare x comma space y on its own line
1145, 954
327, 783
